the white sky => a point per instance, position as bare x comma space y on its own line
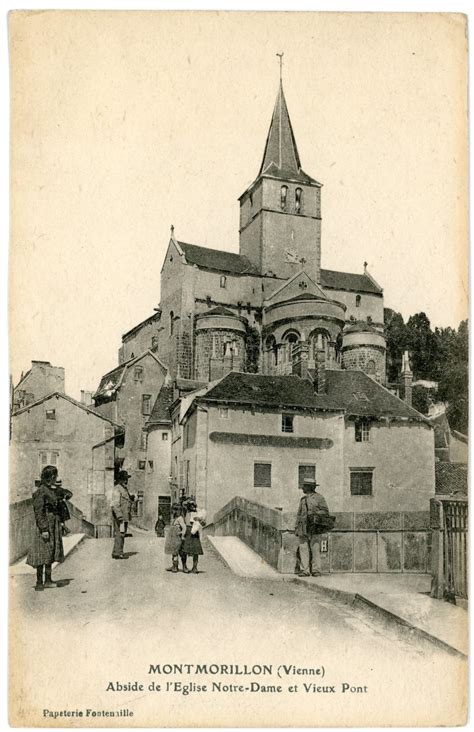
128, 123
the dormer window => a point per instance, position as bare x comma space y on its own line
283, 197
223, 281
298, 200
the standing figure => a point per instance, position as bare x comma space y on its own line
194, 521
312, 507
122, 502
64, 495
174, 536
160, 525
47, 544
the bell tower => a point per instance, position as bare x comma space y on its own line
280, 212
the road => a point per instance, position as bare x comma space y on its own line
111, 620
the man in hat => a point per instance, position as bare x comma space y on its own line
122, 502
311, 505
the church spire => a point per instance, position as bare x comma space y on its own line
281, 156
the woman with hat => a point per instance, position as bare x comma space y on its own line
194, 521
47, 545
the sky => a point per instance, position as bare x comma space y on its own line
126, 123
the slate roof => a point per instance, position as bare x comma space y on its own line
110, 381
219, 310
67, 398
352, 392
451, 478
160, 413
216, 259
348, 281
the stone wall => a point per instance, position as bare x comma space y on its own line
210, 347
358, 357
361, 542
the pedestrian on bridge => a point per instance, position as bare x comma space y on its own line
47, 544
312, 516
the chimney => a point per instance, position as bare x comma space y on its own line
321, 371
299, 360
86, 398
406, 380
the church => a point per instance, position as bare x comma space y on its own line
263, 368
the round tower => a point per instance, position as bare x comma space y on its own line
219, 344
364, 347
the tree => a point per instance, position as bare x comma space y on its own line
395, 334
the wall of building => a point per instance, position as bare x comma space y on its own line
360, 357
42, 380
173, 275
157, 481
145, 338
130, 413
371, 305
402, 455
71, 435
228, 469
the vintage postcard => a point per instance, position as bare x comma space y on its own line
239, 369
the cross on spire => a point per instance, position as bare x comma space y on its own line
280, 57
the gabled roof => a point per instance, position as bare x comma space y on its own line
219, 310
451, 478
348, 281
67, 398
160, 413
352, 392
281, 158
216, 259
290, 289
112, 380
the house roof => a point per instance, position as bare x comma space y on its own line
281, 158
216, 259
67, 398
348, 281
160, 413
352, 392
111, 381
450, 478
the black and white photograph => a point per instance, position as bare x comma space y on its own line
238, 334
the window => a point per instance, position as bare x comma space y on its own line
283, 196
358, 299
141, 464
150, 465
223, 281
164, 435
298, 200
305, 472
138, 373
146, 404
154, 342
262, 475
143, 441
48, 457
171, 322
362, 430
50, 414
287, 422
361, 481
223, 412
370, 368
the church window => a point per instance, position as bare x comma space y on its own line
146, 404
358, 299
171, 322
143, 441
370, 368
283, 197
223, 281
287, 421
141, 464
298, 200
362, 430
361, 481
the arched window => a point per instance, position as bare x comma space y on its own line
271, 346
223, 281
292, 336
171, 322
358, 299
298, 200
319, 340
283, 197
370, 367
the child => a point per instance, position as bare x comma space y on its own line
174, 536
194, 520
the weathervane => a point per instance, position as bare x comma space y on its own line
280, 56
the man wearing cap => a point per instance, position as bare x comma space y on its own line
311, 505
122, 502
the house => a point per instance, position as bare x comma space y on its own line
40, 380
157, 496
58, 430
450, 445
126, 395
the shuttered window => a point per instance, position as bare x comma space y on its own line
262, 475
361, 482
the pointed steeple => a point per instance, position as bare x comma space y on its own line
281, 158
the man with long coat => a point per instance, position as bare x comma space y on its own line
122, 502
311, 505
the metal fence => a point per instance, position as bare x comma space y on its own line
449, 525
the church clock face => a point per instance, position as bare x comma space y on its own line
291, 256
